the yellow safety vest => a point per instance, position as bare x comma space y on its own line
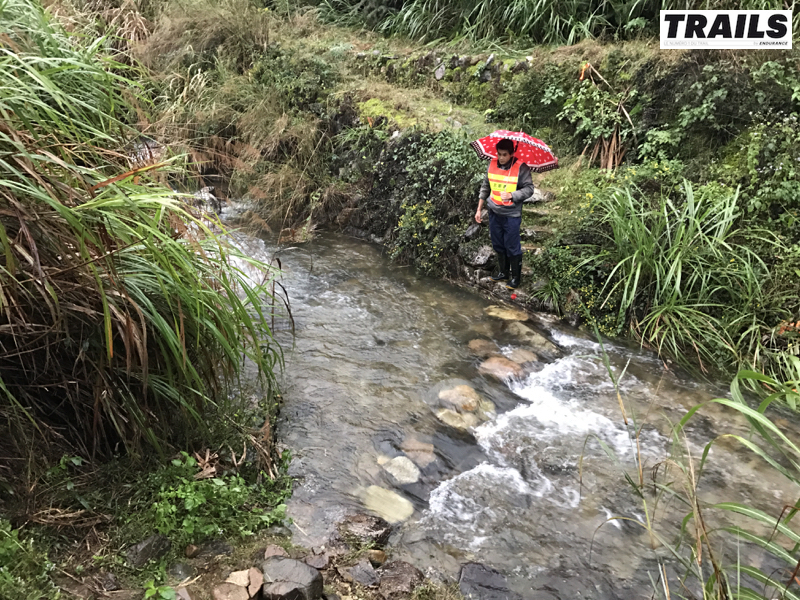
501, 180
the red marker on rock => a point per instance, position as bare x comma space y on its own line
513, 296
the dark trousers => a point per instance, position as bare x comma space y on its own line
504, 232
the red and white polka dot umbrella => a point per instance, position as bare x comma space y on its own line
533, 152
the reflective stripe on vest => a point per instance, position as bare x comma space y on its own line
501, 180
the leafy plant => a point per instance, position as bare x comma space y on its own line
24, 569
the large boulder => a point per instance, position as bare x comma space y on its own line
399, 580
286, 578
457, 420
365, 530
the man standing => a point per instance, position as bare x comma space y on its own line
507, 185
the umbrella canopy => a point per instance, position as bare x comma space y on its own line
533, 152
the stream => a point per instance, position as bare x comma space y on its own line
535, 488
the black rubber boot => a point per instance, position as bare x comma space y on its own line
502, 265
515, 267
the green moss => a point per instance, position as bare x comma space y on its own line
375, 108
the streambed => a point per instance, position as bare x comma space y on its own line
375, 345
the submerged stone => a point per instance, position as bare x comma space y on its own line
500, 368
483, 348
402, 470
456, 420
461, 398
536, 340
506, 313
386, 503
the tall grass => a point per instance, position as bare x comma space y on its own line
529, 21
725, 546
124, 320
687, 281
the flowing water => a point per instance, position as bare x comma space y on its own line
374, 345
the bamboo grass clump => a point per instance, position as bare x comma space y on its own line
123, 320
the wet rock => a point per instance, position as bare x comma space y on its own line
456, 420
506, 313
500, 368
278, 530
472, 231
152, 548
286, 578
365, 530
521, 356
538, 343
181, 571
256, 582
402, 471
476, 257
483, 348
215, 548
420, 452
191, 551
318, 561
389, 505
461, 398
110, 582
273, 550
361, 573
399, 579
478, 582
439, 72
229, 591
240, 578
376, 557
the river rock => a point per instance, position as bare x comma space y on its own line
362, 573
286, 578
230, 591
420, 452
318, 561
456, 420
483, 348
399, 579
389, 505
181, 571
476, 257
275, 550
152, 548
439, 72
215, 548
461, 398
472, 231
501, 368
402, 470
376, 557
478, 582
110, 582
365, 530
256, 582
191, 551
521, 356
536, 340
240, 578
506, 313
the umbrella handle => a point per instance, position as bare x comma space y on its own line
515, 147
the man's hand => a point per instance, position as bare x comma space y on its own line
506, 196
478, 216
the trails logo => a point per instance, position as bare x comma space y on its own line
726, 29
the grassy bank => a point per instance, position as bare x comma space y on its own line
127, 321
